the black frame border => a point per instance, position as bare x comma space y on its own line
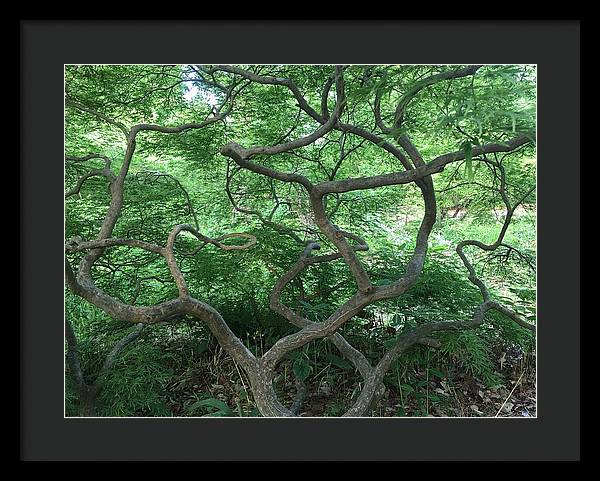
45, 46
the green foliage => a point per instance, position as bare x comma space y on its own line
71, 398
135, 386
215, 408
302, 369
176, 179
472, 351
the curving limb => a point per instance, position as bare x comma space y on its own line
348, 245
354, 356
265, 220
510, 210
418, 171
104, 172
412, 92
82, 284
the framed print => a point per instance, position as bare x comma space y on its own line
267, 250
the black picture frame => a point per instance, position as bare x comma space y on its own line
45, 434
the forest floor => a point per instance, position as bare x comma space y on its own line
459, 394
464, 396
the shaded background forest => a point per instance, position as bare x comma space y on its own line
177, 368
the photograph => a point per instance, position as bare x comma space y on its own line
300, 241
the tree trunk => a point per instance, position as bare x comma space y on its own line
88, 395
